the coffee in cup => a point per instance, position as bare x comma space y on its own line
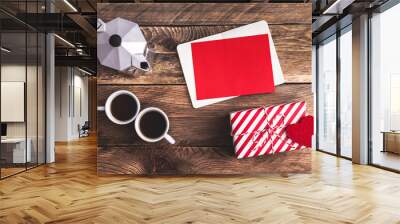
121, 107
152, 125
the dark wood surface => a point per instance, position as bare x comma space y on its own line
184, 14
204, 145
207, 126
166, 160
292, 43
198, 1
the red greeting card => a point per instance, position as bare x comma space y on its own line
232, 67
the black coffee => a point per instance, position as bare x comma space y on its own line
153, 124
123, 107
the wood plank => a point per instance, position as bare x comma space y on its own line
174, 99
188, 1
189, 131
207, 126
293, 44
204, 144
168, 14
196, 161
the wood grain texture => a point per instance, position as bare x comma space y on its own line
207, 126
197, 1
70, 191
171, 160
203, 141
293, 44
172, 14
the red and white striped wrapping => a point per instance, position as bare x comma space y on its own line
261, 131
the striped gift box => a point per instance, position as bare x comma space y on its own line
261, 131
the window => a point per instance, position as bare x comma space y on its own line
385, 89
346, 92
334, 94
22, 101
327, 95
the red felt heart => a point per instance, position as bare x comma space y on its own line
302, 131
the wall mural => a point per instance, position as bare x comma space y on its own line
204, 89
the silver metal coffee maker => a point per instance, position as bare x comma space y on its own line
121, 45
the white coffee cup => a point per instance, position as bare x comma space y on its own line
162, 136
107, 107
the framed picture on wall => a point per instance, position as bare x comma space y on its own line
12, 98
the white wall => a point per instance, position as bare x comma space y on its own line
33, 126
80, 110
61, 103
13, 101
71, 94
16, 73
11, 73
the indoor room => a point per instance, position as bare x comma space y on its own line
200, 111
22, 99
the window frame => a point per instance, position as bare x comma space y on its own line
339, 32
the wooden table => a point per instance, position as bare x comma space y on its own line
391, 141
204, 145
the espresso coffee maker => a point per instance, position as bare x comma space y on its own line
121, 45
